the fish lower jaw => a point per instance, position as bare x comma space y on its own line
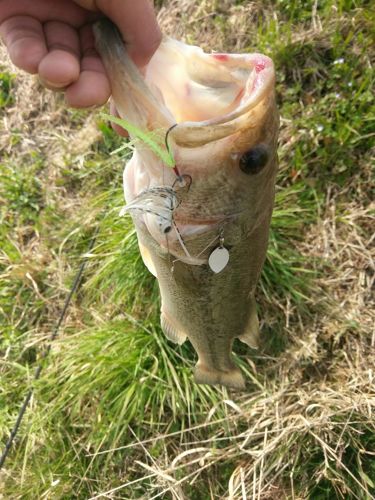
178, 240
192, 261
178, 255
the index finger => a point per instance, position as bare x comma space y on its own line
137, 24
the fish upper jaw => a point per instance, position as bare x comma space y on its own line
201, 89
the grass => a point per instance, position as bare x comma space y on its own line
116, 413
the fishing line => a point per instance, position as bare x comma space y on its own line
168, 252
207, 246
217, 237
181, 240
21, 413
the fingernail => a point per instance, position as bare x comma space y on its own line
57, 87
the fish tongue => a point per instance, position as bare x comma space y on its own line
133, 98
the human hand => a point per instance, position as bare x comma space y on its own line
54, 39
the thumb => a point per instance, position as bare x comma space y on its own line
136, 21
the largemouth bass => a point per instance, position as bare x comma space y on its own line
203, 225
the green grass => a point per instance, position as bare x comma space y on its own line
6, 80
116, 403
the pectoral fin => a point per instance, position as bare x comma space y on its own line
171, 330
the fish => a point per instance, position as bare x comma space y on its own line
203, 223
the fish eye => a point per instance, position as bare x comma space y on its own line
254, 160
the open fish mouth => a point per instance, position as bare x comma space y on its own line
208, 92
208, 95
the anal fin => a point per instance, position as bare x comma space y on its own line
171, 331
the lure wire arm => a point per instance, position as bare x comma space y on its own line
175, 169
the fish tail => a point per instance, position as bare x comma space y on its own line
230, 378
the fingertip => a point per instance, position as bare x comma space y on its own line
138, 25
25, 42
119, 130
144, 48
91, 89
59, 68
27, 54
